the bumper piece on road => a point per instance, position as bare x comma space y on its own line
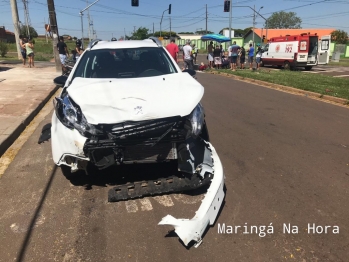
193, 229
45, 133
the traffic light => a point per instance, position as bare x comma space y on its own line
134, 2
226, 5
263, 40
169, 9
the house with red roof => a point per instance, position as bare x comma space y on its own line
6, 36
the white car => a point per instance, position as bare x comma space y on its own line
128, 102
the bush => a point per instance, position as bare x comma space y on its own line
3, 49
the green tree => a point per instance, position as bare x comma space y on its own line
203, 32
24, 31
165, 34
237, 32
339, 36
140, 34
282, 19
186, 33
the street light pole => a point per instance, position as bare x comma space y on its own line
82, 24
161, 19
266, 21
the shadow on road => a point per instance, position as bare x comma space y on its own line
35, 216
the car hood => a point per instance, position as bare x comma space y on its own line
109, 101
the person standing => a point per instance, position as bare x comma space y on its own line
78, 51
22, 42
195, 53
258, 56
234, 48
187, 56
30, 53
242, 57
210, 54
62, 50
217, 54
173, 49
250, 56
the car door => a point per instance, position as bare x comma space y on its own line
324, 50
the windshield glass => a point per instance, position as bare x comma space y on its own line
124, 63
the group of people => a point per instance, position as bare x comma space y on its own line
190, 53
27, 50
236, 55
64, 53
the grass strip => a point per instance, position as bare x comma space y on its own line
322, 84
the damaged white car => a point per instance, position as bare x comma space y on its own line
128, 102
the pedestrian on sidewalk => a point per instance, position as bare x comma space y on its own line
242, 57
63, 51
195, 53
210, 54
173, 49
78, 51
187, 56
22, 42
250, 56
258, 57
234, 55
217, 54
30, 53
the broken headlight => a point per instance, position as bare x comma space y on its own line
196, 119
71, 116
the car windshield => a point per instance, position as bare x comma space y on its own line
124, 63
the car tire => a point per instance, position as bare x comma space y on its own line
287, 65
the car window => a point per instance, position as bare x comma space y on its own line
124, 63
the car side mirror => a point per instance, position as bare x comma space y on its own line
190, 72
60, 80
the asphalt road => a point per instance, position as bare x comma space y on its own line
285, 158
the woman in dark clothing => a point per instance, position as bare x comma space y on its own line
217, 57
242, 57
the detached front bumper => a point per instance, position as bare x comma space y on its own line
192, 229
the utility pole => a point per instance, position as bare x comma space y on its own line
206, 19
254, 21
26, 15
230, 20
54, 29
124, 34
16, 25
170, 26
153, 29
89, 22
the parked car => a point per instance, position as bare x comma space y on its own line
121, 108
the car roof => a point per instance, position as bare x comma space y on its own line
124, 44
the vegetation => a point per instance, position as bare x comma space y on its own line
237, 32
339, 36
322, 84
288, 20
3, 49
24, 31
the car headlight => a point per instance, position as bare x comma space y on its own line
71, 116
196, 119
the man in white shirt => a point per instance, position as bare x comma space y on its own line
188, 56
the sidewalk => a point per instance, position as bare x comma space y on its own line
23, 92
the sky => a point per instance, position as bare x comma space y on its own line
114, 18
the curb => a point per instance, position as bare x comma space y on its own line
20, 128
337, 100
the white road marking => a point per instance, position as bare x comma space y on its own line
145, 204
341, 76
131, 206
164, 200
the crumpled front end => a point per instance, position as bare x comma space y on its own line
192, 229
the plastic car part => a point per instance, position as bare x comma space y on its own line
192, 229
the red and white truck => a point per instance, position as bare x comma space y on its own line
290, 51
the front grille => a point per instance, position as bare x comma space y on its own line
147, 132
